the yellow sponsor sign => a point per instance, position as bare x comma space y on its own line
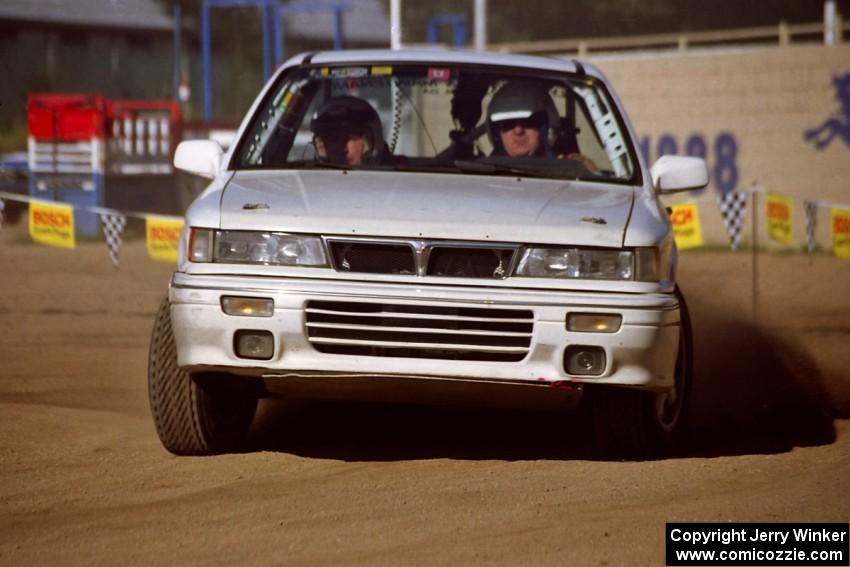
686, 227
163, 234
841, 232
779, 218
52, 224
377, 71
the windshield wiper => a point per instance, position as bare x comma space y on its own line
315, 164
525, 167
502, 168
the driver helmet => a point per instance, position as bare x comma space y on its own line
340, 118
522, 101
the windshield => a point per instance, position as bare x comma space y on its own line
440, 119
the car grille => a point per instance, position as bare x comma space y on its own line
373, 258
459, 262
417, 331
423, 258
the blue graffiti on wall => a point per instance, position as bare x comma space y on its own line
724, 149
838, 124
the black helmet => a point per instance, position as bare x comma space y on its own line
343, 116
522, 101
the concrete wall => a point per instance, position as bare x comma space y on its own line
749, 112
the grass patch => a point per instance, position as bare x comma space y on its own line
13, 136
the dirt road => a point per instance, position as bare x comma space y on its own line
84, 480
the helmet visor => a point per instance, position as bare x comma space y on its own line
506, 121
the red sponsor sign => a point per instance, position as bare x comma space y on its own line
52, 219
682, 216
841, 225
778, 211
168, 234
439, 73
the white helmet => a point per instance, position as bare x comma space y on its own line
522, 101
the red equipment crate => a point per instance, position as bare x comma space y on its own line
67, 117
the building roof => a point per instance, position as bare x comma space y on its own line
362, 20
137, 14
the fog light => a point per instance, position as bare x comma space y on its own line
584, 360
248, 306
257, 345
594, 322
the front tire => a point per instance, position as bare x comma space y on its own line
638, 424
193, 417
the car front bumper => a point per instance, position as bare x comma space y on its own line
642, 353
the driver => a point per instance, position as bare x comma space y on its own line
522, 122
519, 120
347, 131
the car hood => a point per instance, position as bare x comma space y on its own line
428, 205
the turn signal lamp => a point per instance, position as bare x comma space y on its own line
247, 306
594, 322
200, 244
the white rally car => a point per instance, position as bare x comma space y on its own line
427, 226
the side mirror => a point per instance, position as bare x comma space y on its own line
671, 174
201, 157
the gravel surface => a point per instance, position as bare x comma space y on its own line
84, 480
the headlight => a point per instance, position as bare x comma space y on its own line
639, 264
248, 247
577, 263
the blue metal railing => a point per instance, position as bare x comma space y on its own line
458, 23
272, 12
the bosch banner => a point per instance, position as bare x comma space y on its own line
686, 227
841, 232
163, 234
52, 224
779, 218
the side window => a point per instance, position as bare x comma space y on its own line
588, 140
607, 135
302, 145
275, 127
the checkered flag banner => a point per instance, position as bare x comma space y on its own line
113, 227
811, 223
733, 207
